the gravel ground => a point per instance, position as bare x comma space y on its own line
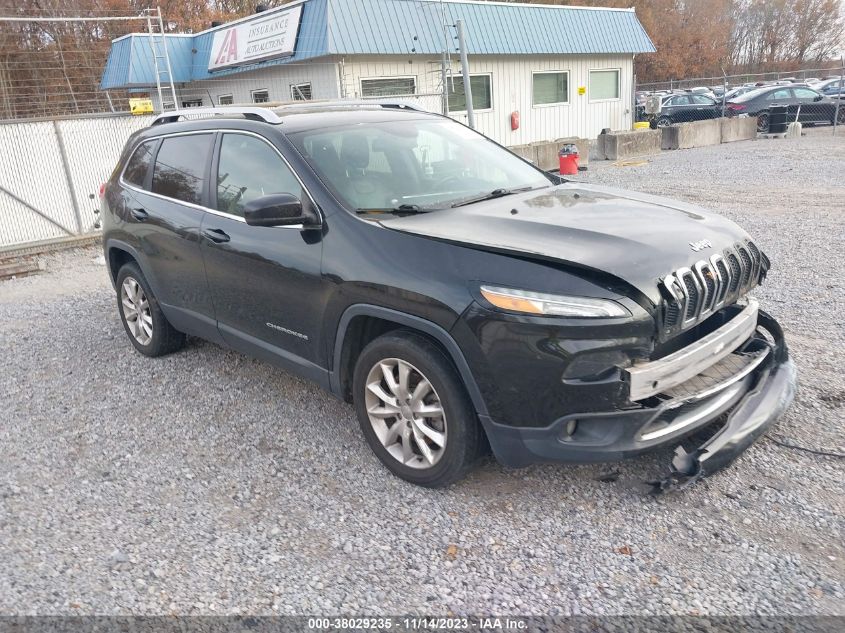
210, 483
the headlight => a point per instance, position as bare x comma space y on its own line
551, 305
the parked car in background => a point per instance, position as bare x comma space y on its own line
681, 108
702, 90
834, 89
739, 90
805, 105
824, 84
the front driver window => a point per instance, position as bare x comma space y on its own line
250, 168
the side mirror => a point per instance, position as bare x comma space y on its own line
278, 209
818, 97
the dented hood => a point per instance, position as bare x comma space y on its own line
635, 237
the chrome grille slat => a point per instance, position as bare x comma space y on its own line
700, 290
747, 266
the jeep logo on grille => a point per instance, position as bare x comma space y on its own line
700, 245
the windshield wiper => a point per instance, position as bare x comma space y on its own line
402, 208
492, 195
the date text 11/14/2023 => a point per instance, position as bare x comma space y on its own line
420, 623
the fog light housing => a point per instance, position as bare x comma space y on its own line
569, 430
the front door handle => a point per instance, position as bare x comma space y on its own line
216, 235
139, 214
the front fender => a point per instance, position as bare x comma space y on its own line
415, 323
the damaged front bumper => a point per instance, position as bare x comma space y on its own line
755, 413
743, 393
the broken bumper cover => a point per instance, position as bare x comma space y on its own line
748, 404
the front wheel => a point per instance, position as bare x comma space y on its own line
414, 411
763, 122
664, 121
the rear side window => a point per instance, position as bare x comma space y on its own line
180, 167
139, 164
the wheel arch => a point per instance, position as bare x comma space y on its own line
119, 253
381, 320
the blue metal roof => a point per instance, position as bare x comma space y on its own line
388, 27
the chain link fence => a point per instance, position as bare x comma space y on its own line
810, 97
52, 170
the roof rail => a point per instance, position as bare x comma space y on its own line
335, 103
256, 114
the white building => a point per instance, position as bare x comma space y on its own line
538, 72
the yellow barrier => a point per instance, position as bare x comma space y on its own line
642, 125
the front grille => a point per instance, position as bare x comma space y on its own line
694, 293
736, 272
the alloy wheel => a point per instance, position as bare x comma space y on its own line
136, 311
406, 413
763, 123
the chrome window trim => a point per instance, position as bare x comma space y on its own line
217, 212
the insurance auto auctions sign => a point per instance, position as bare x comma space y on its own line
264, 37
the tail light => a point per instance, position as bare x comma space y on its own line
102, 190
735, 107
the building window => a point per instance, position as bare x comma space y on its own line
482, 94
389, 87
260, 96
225, 100
300, 92
192, 103
604, 85
551, 88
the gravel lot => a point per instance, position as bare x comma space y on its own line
210, 483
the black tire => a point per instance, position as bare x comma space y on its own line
763, 122
165, 339
840, 118
664, 121
464, 436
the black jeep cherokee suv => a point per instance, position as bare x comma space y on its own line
456, 294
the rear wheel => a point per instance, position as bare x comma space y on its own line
763, 122
145, 324
839, 118
414, 411
664, 121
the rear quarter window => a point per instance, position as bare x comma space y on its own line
139, 164
180, 167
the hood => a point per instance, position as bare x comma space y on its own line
635, 237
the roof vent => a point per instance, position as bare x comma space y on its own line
260, 8
216, 23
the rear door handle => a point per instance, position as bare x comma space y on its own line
139, 214
216, 235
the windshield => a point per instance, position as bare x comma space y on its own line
413, 164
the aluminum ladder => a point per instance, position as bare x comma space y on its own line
161, 60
